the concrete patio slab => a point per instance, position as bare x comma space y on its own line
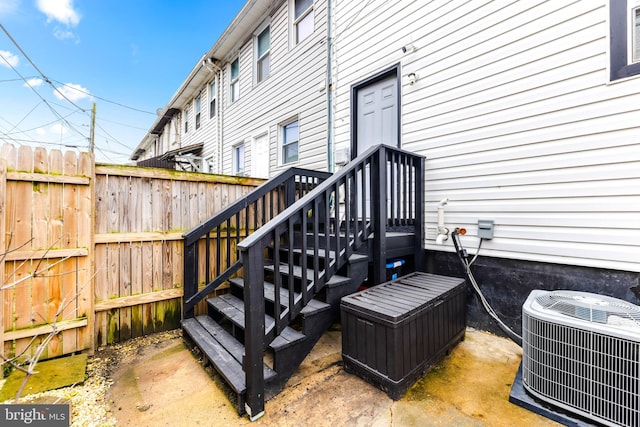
166, 385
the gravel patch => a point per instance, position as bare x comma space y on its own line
88, 402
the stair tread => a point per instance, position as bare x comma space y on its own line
222, 350
297, 271
355, 257
337, 280
233, 308
314, 306
269, 292
287, 338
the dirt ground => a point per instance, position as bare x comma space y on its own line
163, 384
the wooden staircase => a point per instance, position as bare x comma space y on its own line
289, 251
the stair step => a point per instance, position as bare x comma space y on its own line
314, 306
337, 280
269, 292
223, 351
297, 271
287, 338
355, 257
233, 309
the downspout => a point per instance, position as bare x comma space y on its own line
330, 166
217, 78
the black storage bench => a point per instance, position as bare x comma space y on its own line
394, 332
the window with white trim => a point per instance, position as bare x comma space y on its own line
234, 80
302, 20
186, 119
263, 45
213, 96
198, 108
624, 38
238, 159
290, 139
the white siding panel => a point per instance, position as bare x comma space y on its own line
294, 88
515, 115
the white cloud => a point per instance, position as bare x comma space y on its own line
7, 7
72, 92
34, 82
59, 10
41, 132
8, 59
58, 129
62, 34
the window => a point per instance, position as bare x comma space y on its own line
624, 27
262, 61
212, 99
238, 159
302, 19
198, 107
234, 81
186, 120
290, 137
635, 34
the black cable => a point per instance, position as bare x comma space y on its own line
462, 255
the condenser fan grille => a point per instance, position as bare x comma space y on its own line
578, 365
594, 308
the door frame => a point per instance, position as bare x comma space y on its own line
391, 71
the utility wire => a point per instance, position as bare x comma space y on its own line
45, 78
53, 110
106, 100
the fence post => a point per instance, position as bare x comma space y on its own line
3, 246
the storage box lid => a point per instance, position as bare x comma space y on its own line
399, 299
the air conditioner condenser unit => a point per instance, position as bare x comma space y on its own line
581, 353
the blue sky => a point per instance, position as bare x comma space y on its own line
127, 56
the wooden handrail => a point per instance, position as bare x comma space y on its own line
381, 189
254, 210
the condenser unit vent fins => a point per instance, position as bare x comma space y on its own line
581, 352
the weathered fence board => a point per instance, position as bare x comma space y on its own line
97, 249
47, 250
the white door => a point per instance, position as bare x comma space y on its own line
377, 121
260, 157
377, 114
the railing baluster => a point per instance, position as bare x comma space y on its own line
277, 277
316, 242
291, 281
305, 285
207, 269
217, 254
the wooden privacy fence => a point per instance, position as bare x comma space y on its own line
96, 250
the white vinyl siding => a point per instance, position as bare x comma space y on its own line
295, 88
515, 114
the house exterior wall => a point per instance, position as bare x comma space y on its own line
517, 117
294, 88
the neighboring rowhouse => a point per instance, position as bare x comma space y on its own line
527, 112
256, 102
528, 115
